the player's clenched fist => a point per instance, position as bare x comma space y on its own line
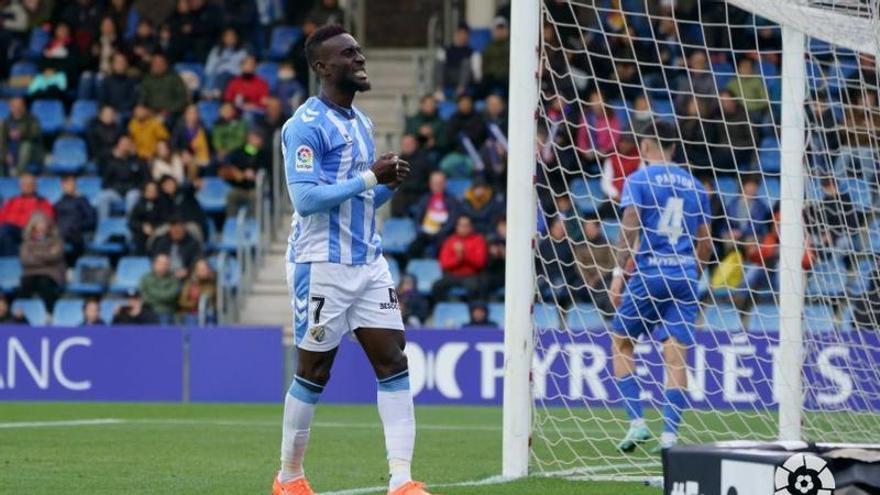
386, 168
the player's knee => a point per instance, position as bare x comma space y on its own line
315, 373
390, 364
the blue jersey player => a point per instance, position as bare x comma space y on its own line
665, 227
338, 279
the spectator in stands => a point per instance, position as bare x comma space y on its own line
146, 216
595, 259
63, 52
135, 311
455, 64
698, 80
201, 25
833, 218
119, 88
414, 307
166, 163
436, 215
162, 90
42, 260
494, 156
272, 119
427, 116
224, 62
146, 130
565, 211
640, 115
8, 317
692, 125
824, 134
84, 17
75, 216
175, 48
599, 132
102, 133
416, 186
123, 175
16, 213
482, 205
229, 132
190, 140
49, 84
497, 242
106, 45
14, 22
288, 88
180, 200
496, 113
181, 247
465, 122
479, 316
240, 172
92, 313
731, 136
558, 277
866, 309
748, 214
160, 289
247, 91
328, 12
463, 258
143, 45
297, 51
618, 166
21, 139
496, 60
749, 87
202, 283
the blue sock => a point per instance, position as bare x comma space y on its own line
630, 391
676, 402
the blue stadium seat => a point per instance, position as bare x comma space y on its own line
34, 310
819, 318
827, 279
209, 111
445, 109
212, 194
764, 318
586, 195
69, 155
269, 72
859, 191
129, 272
874, 238
282, 38
9, 187
89, 187
769, 156
496, 313
770, 189
585, 316
4, 109
724, 72
111, 237
393, 269
23, 68
82, 112
727, 187
68, 313
233, 234
81, 286
611, 230
37, 41
480, 38
426, 271
397, 234
49, 188
231, 275
85, 89
721, 318
451, 315
108, 308
10, 273
457, 186
50, 114
546, 316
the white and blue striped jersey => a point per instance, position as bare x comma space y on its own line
323, 143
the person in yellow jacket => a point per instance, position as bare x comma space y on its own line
146, 130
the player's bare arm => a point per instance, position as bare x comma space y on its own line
627, 244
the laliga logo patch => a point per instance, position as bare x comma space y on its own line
804, 474
305, 159
318, 333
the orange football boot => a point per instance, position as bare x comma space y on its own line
411, 488
299, 486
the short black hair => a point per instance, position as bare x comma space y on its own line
665, 132
321, 35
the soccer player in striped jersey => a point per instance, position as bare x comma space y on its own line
338, 280
665, 228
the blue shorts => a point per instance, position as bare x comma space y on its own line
658, 305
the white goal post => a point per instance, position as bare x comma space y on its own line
554, 426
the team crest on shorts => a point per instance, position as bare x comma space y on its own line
305, 159
318, 333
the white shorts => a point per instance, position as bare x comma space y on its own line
331, 299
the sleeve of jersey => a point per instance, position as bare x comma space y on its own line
631, 191
383, 194
303, 152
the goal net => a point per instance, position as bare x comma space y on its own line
785, 137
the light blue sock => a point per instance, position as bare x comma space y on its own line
630, 391
676, 402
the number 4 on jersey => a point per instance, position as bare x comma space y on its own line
671, 220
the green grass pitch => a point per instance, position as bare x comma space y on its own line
213, 449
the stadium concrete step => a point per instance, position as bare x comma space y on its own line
268, 303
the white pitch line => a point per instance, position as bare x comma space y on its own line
51, 424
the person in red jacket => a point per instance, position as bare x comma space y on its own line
463, 258
16, 213
247, 91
